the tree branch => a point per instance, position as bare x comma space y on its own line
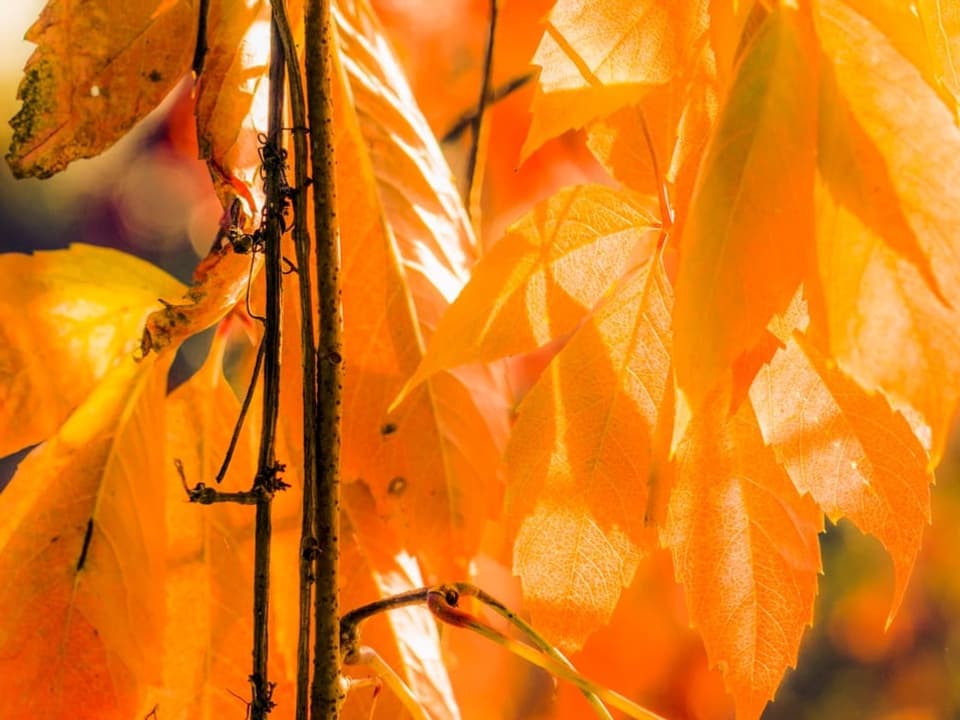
326, 695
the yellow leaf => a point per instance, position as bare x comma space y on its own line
747, 241
579, 460
745, 549
888, 205
856, 457
598, 57
81, 543
99, 68
542, 277
69, 318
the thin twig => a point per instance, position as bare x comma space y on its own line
326, 693
266, 480
475, 173
497, 94
244, 407
301, 241
200, 49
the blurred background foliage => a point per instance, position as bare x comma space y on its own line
151, 196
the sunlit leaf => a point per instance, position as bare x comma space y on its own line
598, 57
744, 545
888, 207
69, 317
749, 235
857, 458
579, 460
81, 544
532, 287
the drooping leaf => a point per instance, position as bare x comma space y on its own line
749, 234
99, 68
598, 57
579, 460
888, 204
855, 456
81, 544
744, 545
69, 317
532, 287
432, 464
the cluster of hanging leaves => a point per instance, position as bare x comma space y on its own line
756, 319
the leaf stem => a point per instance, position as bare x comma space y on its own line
266, 481
326, 693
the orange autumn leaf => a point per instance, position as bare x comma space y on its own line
530, 288
855, 456
887, 209
121, 66
579, 460
744, 544
70, 317
597, 57
432, 463
747, 240
82, 542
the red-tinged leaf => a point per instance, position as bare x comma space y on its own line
887, 211
81, 545
579, 460
744, 545
70, 316
855, 456
598, 57
433, 464
99, 68
748, 238
532, 286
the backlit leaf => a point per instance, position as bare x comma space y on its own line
579, 460
99, 68
81, 544
432, 465
69, 317
598, 57
744, 545
532, 286
888, 207
857, 458
748, 238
